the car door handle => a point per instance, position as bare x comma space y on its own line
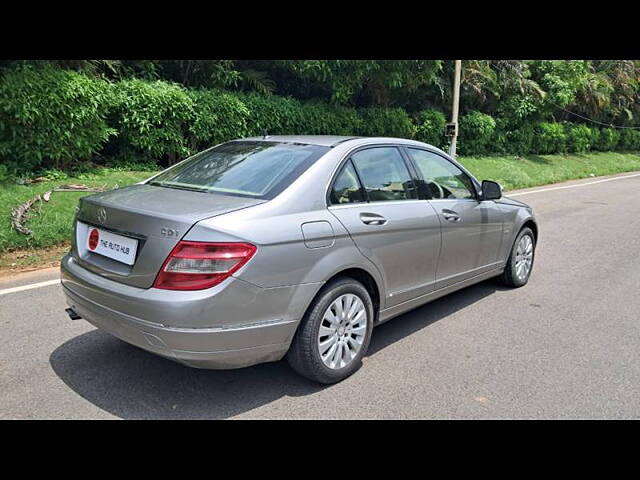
372, 219
450, 216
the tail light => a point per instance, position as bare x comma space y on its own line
200, 265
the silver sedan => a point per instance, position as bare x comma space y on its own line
294, 246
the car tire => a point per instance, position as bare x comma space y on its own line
512, 275
305, 356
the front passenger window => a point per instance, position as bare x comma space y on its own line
441, 177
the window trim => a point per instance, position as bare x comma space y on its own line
342, 168
363, 191
348, 158
472, 179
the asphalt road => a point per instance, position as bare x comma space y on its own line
564, 346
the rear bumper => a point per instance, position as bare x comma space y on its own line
232, 325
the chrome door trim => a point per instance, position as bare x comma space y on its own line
456, 199
373, 204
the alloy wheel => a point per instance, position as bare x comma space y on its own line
524, 257
342, 331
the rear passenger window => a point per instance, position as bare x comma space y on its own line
384, 174
346, 188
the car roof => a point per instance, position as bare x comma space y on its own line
324, 140
332, 140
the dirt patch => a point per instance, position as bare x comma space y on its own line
31, 259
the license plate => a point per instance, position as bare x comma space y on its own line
120, 248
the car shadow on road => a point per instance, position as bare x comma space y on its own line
131, 383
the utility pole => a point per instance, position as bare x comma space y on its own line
454, 110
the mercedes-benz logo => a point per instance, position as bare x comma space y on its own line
102, 215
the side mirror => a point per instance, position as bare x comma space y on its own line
491, 190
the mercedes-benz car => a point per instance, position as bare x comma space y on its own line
289, 246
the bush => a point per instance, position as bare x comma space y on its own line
520, 141
500, 142
509, 140
287, 116
550, 138
346, 121
322, 119
595, 138
57, 119
629, 139
386, 122
607, 140
51, 117
476, 132
273, 115
152, 119
578, 137
317, 119
219, 117
5, 176
430, 125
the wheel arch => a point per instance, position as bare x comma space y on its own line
361, 275
367, 280
533, 226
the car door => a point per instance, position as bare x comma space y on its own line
375, 197
471, 229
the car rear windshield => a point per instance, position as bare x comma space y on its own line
258, 169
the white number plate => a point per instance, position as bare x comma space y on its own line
122, 249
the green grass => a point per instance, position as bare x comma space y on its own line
533, 170
52, 224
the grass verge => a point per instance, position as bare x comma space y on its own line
25, 260
52, 222
534, 170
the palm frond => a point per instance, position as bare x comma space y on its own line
258, 81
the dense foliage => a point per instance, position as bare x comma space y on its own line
477, 129
429, 127
59, 114
51, 116
150, 119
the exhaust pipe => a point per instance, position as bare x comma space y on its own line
72, 314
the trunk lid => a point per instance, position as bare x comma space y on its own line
158, 217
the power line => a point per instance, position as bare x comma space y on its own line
594, 121
581, 116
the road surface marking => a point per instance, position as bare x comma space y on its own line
572, 186
29, 287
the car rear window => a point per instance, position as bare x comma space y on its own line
258, 169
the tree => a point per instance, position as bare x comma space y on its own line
365, 82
